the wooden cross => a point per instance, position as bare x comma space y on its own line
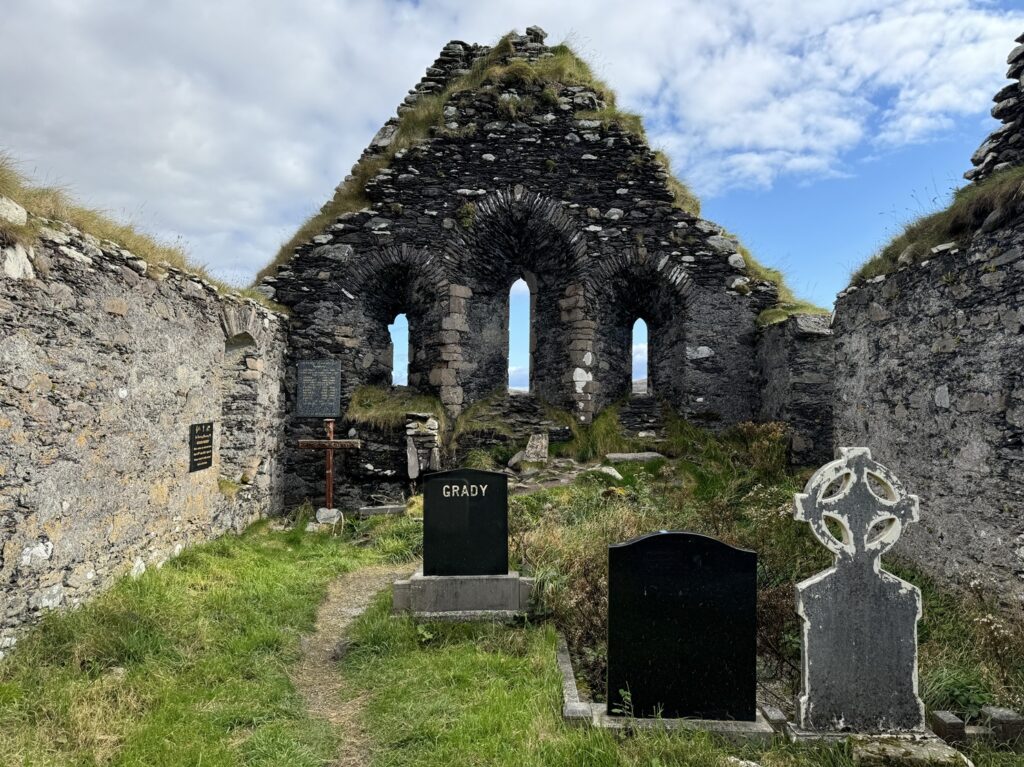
330, 445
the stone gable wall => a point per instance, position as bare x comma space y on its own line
930, 376
104, 364
580, 210
797, 363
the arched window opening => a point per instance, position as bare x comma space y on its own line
520, 339
641, 376
398, 330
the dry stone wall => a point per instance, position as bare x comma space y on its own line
930, 376
1004, 148
105, 361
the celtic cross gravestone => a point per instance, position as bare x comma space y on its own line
859, 621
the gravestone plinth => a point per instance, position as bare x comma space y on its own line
859, 621
465, 571
682, 626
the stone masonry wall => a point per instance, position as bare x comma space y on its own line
1004, 148
105, 361
930, 376
520, 183
796, 359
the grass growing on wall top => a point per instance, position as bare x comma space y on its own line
56, 204
971, 206
385, 407
563, 67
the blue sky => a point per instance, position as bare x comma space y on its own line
812, 129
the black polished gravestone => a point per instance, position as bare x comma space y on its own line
465, 523
682, 624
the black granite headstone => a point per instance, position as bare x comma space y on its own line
200, 446
318, 389
682, 625
465, 523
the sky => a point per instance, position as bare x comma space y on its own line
811, 129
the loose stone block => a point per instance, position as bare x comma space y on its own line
537, 448
859, 664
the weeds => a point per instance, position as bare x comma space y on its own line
992, 202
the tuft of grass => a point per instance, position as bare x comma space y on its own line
228, 487
479, 459
386, 408
682, 196
1000, 196
595, 440
185, 665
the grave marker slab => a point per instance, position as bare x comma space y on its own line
859, 621
682, 624
200, 446
318, 389
465, 523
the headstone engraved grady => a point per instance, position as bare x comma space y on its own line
859, 622
682, 625
200, 446
465, 523
318, 389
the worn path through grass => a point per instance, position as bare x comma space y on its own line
323, 691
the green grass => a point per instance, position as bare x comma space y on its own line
484, 694
971, 206
385, 408
186, 665
56, 204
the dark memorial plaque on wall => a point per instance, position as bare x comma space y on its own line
318, 389
682, 626
200, 446
465, 523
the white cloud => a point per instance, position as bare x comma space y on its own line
518, 377
228, 123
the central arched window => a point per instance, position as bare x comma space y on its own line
519, 341
641, 373
399, 332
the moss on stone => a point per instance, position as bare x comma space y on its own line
466, 215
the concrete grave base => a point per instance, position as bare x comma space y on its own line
583, 713
437, 597
736, 732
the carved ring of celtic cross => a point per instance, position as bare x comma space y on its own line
861, 497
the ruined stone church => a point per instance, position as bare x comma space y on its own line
504, 163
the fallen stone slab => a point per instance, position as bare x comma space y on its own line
629, 457
906, 752
608, 470
393, 510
